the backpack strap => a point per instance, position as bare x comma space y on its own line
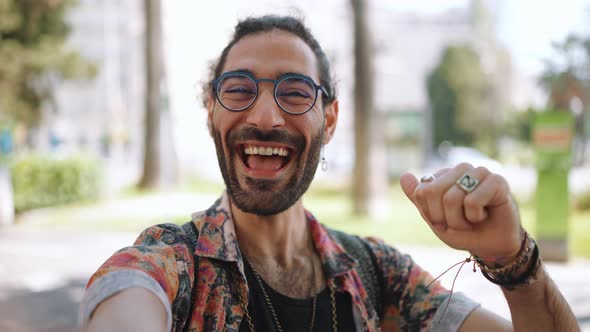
366, 266
192, 236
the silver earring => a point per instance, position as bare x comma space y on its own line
324, 162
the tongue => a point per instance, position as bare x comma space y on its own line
265, 162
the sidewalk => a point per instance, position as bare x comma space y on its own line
43, 274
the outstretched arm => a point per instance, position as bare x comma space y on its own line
540, 307
480, 216
535, 307
133, 309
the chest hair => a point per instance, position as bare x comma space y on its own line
296, 282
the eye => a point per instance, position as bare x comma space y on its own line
237, 85
294, 89
294, 93
239, 89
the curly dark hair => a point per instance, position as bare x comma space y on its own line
253, 25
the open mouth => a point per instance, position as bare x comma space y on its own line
264, 158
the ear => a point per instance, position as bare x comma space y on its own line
331, 118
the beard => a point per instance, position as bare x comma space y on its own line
265, 197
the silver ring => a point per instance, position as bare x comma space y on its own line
467, 182
427, 178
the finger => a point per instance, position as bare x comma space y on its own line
453, 209
409, 183
441, 171
449, 178
433, 192
423, 196
439, 226
461, 209
492, 190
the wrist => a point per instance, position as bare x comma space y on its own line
505, 260
521, 270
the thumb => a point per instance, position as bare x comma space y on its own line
409, 183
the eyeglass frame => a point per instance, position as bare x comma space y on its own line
317, 87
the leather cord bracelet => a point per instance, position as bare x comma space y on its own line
524, 279
506, 276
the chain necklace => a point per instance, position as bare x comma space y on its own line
273, 312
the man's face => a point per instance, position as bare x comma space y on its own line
268, 157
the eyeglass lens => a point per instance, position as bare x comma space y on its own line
293, 94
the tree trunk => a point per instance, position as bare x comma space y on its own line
370, 173
362, 109
153, 175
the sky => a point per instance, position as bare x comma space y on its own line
528, 27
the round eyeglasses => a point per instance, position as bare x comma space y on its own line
294, 93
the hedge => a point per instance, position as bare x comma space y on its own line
40, 181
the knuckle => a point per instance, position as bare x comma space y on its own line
419, 193
498, 179
464, 166
493, 177
484, 171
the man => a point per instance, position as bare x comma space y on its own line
263, 263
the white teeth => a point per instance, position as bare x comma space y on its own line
265, 151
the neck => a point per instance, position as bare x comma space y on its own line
279, 238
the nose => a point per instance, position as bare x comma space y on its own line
265, 113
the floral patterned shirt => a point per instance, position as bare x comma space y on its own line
161, 262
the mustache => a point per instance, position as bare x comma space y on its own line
274, 135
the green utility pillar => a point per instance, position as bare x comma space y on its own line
552, 137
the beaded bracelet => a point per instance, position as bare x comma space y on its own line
505, 275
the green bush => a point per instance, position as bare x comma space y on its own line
40, 181
582, 201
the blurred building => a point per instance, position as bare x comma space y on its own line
102, 116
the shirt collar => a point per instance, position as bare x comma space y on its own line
217, 239
217, 234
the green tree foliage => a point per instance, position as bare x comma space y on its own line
458, 94
33, 57
567, 76
567, 79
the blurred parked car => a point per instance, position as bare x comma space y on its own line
451, 156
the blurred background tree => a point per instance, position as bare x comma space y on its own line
458, 94
159, 156
33, 56
369, 182
363, 107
